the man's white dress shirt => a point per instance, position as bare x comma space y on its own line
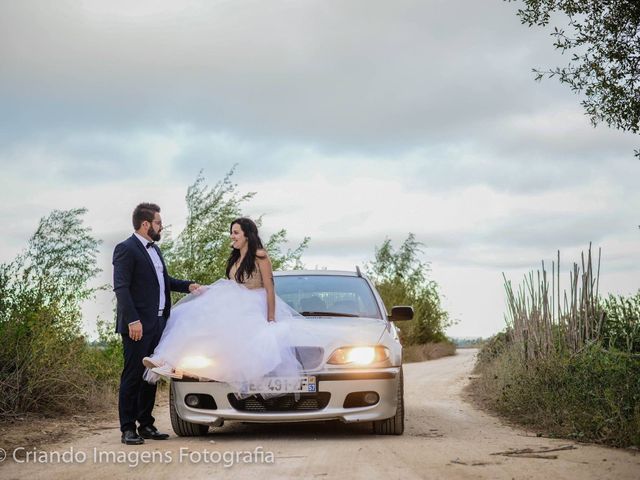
157, 263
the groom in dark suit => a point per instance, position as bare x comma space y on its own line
143, 292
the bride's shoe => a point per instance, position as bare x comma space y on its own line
167, 371
151, 363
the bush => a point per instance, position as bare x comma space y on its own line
493, 348
621, 328
104, 358
42, 360
43, 371
592, 396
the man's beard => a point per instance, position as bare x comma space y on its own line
153, 235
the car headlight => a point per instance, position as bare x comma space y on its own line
195, 362
359, 355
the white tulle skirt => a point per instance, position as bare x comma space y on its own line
223, 334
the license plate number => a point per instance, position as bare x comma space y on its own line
303, 384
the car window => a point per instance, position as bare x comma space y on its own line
351, 296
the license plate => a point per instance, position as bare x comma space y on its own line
303, 384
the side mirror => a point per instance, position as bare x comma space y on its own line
399, 313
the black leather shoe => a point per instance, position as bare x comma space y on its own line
152, 432
130, 437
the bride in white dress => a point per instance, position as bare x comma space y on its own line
235, 330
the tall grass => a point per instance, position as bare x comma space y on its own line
542, 320
568, 362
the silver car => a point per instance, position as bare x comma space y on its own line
354, 376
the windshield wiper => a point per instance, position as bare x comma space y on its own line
328, 314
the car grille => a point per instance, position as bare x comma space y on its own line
310, 357
284, 403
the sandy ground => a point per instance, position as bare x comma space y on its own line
445, 437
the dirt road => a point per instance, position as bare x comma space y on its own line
445, 438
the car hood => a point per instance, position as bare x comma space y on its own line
334, 332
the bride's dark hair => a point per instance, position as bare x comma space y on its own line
248, 265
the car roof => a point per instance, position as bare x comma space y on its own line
287, 273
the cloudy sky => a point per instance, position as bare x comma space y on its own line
352, 120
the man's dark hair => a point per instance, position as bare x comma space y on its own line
144, 211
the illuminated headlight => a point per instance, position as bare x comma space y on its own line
359, 355
195, 362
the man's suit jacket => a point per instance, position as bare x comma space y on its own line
136, 286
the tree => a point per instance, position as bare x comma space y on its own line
604, 39
201, 250
401, 278
43, 359
52, 273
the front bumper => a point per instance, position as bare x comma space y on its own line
337, 384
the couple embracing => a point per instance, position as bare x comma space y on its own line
235, 330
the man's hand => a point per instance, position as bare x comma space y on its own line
194, 287
135, 330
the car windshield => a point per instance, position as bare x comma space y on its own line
328, 295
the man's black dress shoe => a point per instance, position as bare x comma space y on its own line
130, 437
152, 432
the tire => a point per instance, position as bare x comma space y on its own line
181, 427
395, 424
